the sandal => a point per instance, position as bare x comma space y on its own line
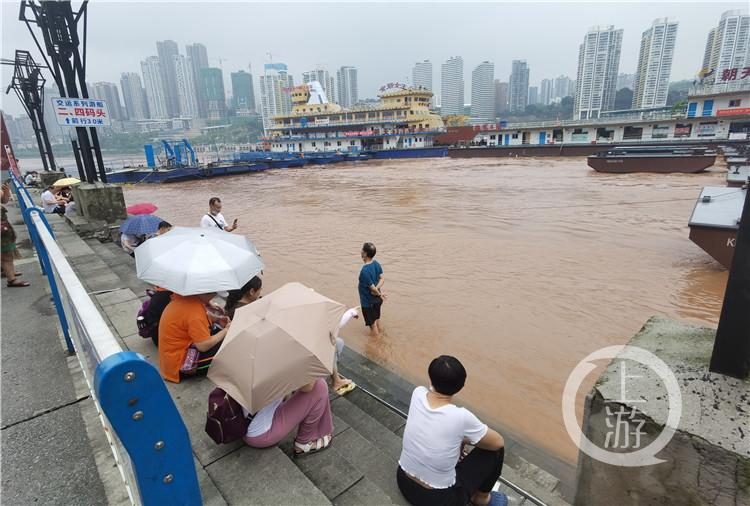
321, 443
348, 387
15, 283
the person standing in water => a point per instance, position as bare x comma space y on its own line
370, 287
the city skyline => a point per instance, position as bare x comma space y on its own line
108, 60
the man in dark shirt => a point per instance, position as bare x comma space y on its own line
370, 284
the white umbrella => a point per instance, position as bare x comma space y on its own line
190, 261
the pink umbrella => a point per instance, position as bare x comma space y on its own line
143, 208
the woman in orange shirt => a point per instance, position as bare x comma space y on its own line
184, 322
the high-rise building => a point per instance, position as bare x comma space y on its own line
275, 84
243, 95
545, 91
108, 92
197, 59
324, 78
154, 85
518, 92
213, 90
563, 87
728, 45
136, 106
186, 88
708, 52
346, 85
533, 95
598, 63
651, 82
483, 91
167, 50
421, 77
501, 97
452, 87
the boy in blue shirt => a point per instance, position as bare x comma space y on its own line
370, 283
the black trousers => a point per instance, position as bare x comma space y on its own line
479, 471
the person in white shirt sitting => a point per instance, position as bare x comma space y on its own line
214, 218
52, 202
431, 470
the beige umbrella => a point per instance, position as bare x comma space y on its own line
278, 343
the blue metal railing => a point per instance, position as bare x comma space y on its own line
128, 390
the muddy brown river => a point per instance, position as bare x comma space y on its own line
519, 267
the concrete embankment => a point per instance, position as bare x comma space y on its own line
706, 461
359, 468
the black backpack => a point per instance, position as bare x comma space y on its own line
150, 314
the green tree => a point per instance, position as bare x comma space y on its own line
678, 91
623, 99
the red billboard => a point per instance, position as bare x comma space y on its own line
733, 112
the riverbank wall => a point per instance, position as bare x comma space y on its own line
707, 461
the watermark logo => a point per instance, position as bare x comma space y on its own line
624, 425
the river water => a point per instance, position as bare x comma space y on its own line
519, 267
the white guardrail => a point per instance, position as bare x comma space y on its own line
147, 436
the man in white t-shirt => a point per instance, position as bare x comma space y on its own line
431, 468
52, 202
214, 218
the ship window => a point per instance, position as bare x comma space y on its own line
338, 143
735, 103
514, 136
313, 144
351, 143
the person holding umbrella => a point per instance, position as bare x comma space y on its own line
194, 264
135, 229
282, 343
185, 323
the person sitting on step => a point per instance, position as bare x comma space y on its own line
308, 410
185, 324
431, 470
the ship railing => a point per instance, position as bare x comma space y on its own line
363, 121
597, 121
374, 133
146, 434
738, 85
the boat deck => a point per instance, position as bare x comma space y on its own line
738, 175
718, 207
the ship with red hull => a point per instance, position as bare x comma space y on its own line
661, 160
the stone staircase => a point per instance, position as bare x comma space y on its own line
358, 468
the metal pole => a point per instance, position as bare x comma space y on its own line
731, 354
79, 163
35, 127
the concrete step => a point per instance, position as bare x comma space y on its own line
359, 467
373, 448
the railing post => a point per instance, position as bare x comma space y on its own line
142, 413
41, 252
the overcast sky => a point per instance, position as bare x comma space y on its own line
383, 40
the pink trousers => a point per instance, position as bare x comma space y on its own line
311, 411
